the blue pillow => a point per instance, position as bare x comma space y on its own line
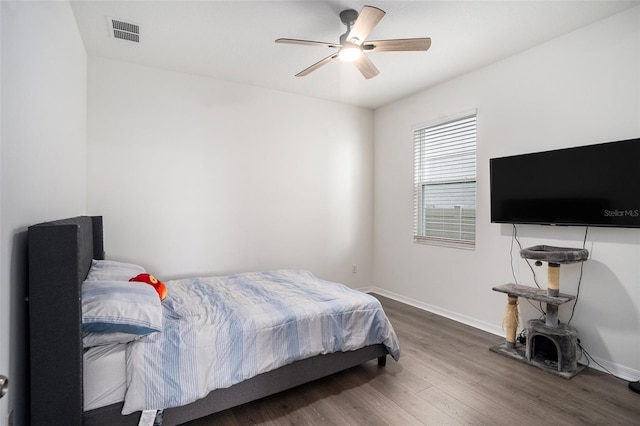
90, 340
120, 307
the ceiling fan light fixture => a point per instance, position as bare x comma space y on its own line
349, 52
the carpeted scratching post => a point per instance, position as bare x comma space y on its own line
553, 290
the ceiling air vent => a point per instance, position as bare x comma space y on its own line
124, 30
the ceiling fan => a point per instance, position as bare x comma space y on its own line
353, 44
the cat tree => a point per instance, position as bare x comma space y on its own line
550, 345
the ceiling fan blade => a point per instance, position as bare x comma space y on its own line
317, 65
366, 22
366, 67
308, 43
406, 44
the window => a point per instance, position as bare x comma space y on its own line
445, 183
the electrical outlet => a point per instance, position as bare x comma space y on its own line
354, 269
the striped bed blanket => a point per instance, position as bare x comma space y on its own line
218, 331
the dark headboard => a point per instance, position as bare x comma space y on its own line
60, 254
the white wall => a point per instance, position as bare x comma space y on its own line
43, 157
579, 89
199, 176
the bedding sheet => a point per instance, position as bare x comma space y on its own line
219, 331
104, 376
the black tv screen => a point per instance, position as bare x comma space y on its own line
596, 185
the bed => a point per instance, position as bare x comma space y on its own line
61, 254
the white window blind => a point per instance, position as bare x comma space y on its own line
445, 183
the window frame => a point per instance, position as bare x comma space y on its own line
419, 184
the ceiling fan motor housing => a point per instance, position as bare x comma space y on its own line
348, 17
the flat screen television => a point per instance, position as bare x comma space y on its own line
594, 185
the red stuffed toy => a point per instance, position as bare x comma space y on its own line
150, 279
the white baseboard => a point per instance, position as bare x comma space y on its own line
617, 370
620, 371
484, 326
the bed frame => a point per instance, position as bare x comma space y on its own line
60, 254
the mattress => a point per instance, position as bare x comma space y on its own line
104, 375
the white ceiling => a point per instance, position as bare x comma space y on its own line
234, 40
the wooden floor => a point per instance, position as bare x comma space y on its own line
446, 376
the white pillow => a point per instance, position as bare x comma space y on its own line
120, 307
111, 270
